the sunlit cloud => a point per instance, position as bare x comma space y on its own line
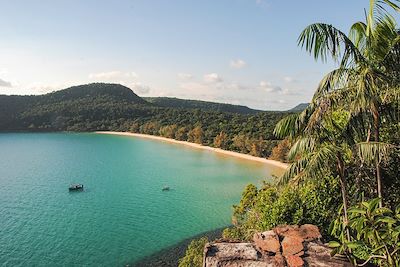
269, 87
112, 75
185, 76
4, 83
212, 78
237, 63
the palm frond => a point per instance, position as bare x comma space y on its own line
311, 165
370, 152
377, 12
323, 40
289, 126
301, 146
358, 35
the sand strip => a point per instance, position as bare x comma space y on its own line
217, 150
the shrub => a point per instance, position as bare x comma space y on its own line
374, 234
314, 202
194, 253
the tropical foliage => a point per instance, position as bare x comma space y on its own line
261, 209
375, 235
349, 133
194, 253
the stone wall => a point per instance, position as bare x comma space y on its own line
292, 246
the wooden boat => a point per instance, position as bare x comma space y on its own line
75, 187
165, 188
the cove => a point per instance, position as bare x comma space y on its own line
122, 215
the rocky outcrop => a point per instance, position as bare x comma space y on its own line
284, 246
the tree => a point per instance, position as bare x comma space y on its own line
281, 151
220, 140
196, 135
316, 153
366, 83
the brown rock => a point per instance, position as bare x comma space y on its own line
309, 232
267, 242
294, 261
292, 245
217, 253
279, 260
320, 255
283, 229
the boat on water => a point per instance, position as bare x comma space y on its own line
75, 187
165, 188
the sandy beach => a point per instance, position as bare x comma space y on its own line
217, 150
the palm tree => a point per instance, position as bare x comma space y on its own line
366, 83
313, 152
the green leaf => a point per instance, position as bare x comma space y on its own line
357, 210
388, 220
334, 244
353, 245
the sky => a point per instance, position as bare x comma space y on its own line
231, 51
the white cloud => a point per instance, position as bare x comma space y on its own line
289, 79
237, 64
112, 75
212, 78
185, 76
4, 83
269, 87
140, 88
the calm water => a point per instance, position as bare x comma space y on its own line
122, 215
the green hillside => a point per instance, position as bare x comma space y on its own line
113, 107
300, 107
172, 102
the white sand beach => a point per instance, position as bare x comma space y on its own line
217, 150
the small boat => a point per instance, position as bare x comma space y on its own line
165, 188
75, 187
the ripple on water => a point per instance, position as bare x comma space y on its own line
122, 215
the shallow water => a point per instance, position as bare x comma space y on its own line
122, 215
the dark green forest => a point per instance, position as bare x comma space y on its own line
113, 107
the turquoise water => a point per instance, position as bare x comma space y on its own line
122, 215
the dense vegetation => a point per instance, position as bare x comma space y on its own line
344, 147
113, 107
171, 102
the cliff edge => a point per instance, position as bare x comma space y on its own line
292, 246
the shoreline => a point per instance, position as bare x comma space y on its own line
169, 256
198, 146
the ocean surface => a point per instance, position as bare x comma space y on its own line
122, 215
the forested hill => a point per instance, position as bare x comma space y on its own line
300, 107
113, 107
172, 102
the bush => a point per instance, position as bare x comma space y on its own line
374, 234
314, 202
194, 253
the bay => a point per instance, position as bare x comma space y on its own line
122, 215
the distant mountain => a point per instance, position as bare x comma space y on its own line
113, 107
299, 107
172, 102
94, 90
84, 102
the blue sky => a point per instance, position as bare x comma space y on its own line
233, 51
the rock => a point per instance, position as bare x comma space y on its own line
283, 229
279, 260
217, 253
318, 254
267, 242
292, 245
300, 246
309, 232
294, 261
